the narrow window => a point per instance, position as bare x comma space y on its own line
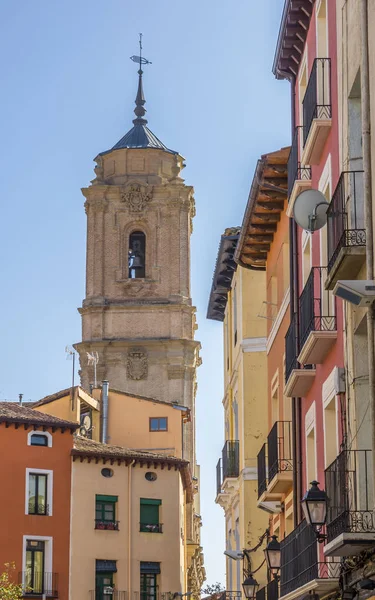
34, 577
38, 439
137, 255
149, 516
149, 580
38, 494
105, 512
158, 424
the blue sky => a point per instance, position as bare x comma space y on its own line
68, 90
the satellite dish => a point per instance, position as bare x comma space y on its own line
310, 210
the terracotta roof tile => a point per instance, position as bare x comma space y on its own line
13, 412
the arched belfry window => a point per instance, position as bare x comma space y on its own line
137, 255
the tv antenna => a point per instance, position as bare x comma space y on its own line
93, 359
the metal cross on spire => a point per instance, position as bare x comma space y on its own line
140, 110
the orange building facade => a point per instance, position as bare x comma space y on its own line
35, 532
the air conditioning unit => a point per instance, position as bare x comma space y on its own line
356, 291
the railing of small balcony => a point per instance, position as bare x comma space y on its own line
231, 459
107, 525
316, 305
317, 100
261, 593
279, 442
35, 583
219, 480
291, 349
345, 215
349, 491
295, 169
297, 572
273, 590
262, 471
231, 595
151, 527
111, 593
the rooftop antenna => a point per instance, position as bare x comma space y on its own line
140, 110
71, 355
93, 359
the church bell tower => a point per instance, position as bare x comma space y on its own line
137, 314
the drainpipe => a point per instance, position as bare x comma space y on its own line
105, 388
130, 466
296, 402
367, 197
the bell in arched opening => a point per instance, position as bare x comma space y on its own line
137, 255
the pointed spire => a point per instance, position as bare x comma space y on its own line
140, 110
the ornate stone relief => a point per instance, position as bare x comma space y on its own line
136, 364
136, 197
96, 204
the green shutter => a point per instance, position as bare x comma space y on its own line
149, 514
101, 498
150, 501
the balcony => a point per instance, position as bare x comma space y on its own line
279, 463
112, 595
299, 176
228, 467
350, 515
151, 528
298, 381
301, 567
36, 585
231, 595
317, 111
107, 525
346, 232
318, 330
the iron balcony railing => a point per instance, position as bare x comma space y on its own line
279, 442
262, 471
349, 491
107, 525
273, 590
229, 463
291, 348
317, 100
231, 595
300, 562
110, 595
35, 583
151, 528
316, 305
345, 215
231, 459
261, 594
219, 478
295, 169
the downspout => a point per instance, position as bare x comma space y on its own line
367, 198
296, 402
105, 387
130, 466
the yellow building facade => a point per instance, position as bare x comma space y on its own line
236, 299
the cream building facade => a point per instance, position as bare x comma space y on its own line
236, 300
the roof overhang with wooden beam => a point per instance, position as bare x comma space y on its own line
295, 23
223, 275
267, 196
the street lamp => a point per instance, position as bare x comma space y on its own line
250, 587
272, 553
314, 505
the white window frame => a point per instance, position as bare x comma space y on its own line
49, 474
46, 433
48, 553
310, 421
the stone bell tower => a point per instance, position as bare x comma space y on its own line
137, 313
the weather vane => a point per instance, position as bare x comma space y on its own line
140, 59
